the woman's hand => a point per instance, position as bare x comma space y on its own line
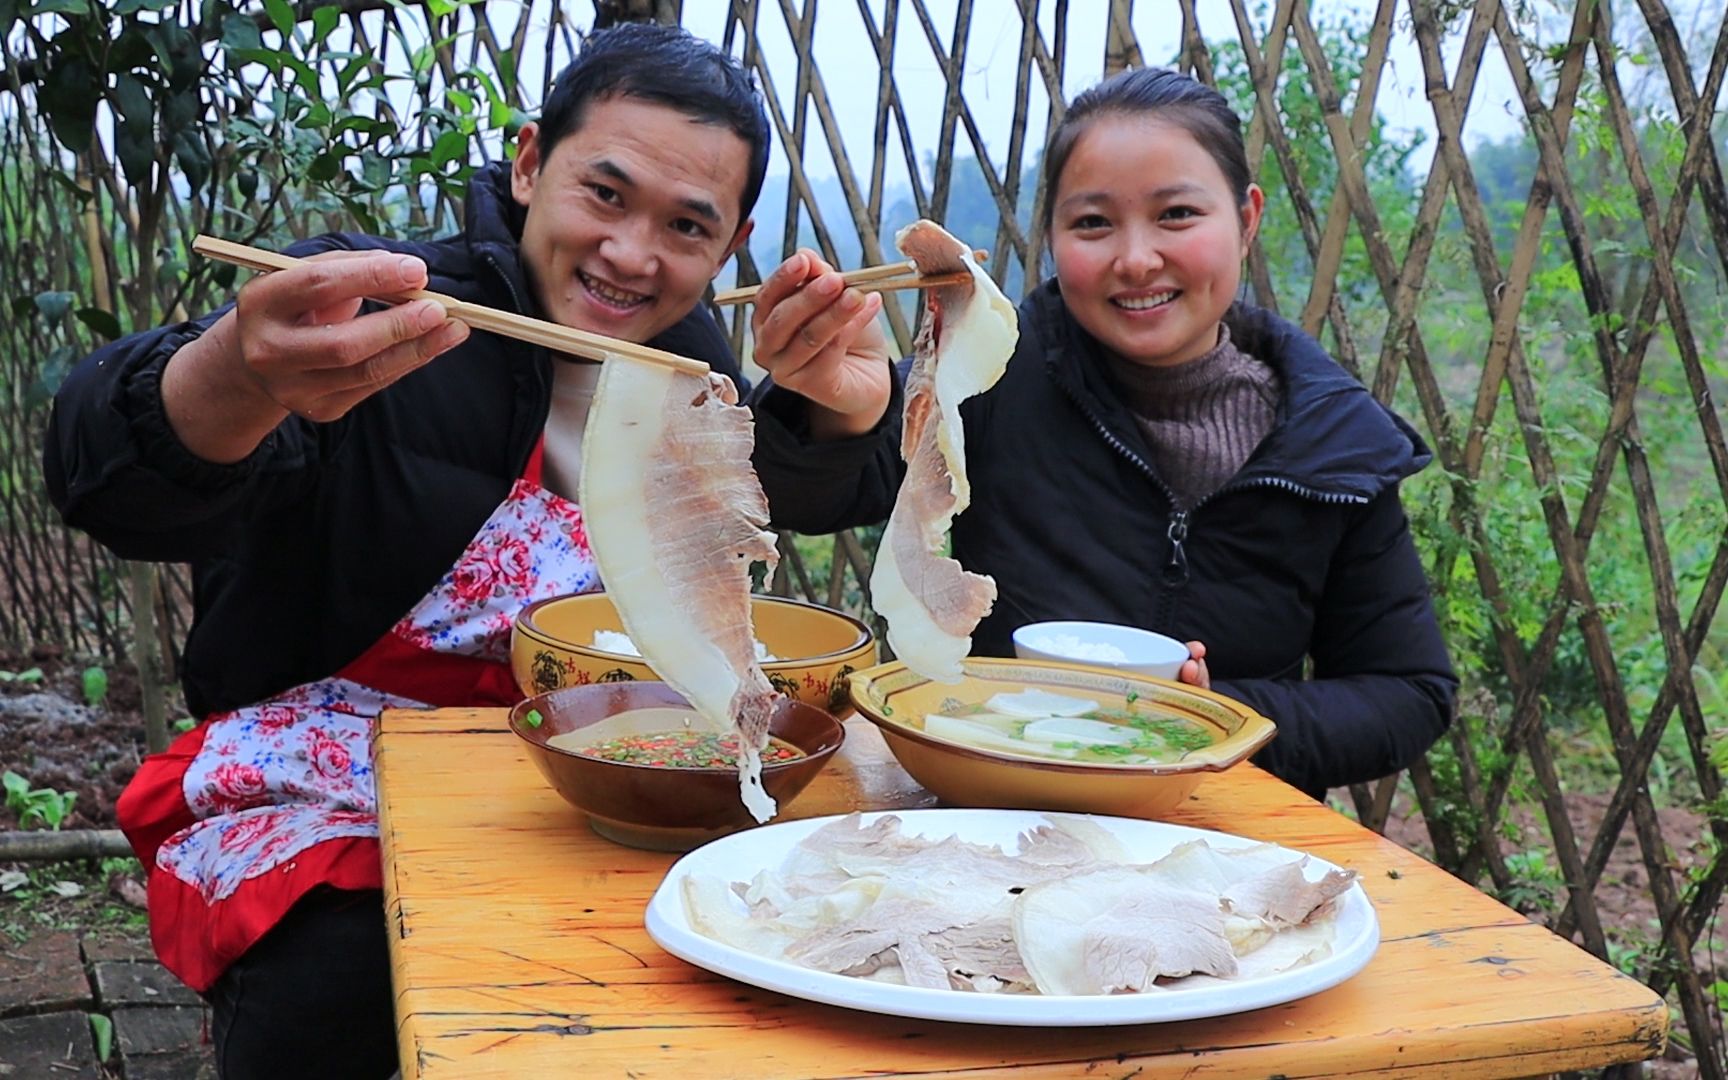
1193, 671
296, 343
821, 340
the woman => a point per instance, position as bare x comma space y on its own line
1162, 456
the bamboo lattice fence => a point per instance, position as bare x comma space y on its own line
1557, 336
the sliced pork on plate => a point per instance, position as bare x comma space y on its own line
675, 516
930, 602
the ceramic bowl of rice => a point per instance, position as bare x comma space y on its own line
806, 650
1106, 645
1043, 735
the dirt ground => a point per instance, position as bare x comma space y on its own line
49, 735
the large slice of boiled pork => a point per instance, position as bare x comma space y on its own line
930, 602
675, 516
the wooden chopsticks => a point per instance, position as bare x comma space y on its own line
552, 335
888, 277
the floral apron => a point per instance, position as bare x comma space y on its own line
244, 814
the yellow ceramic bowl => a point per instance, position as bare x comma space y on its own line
551, 646
896, 700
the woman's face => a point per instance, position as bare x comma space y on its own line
1148, 239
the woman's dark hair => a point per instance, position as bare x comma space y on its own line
667, 66
1169, 95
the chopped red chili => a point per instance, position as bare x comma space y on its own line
685, 750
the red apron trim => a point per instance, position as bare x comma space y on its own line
197, 941
153, 806
397, 666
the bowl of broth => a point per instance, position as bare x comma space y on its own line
650, 772
806, 650
1043, 735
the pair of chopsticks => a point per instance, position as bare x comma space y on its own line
888, 277
551, 335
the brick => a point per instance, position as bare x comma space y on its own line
56, 1045
44, 974
139, 984
183, 1066
98, 949
158, 1029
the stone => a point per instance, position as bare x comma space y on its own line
130, 983
56, 1045
49, 710
43, 974
158, 1029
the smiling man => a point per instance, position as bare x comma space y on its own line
368, 493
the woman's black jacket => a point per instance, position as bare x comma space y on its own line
1301, 564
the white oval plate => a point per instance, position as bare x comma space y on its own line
738, 858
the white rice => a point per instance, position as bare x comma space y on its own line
1076, 648
613, 642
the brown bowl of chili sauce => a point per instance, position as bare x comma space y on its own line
650, 773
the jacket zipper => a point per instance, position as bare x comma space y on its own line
516, 299
1176, 567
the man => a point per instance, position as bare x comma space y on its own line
366, 493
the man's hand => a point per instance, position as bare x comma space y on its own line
1193, 671
295, 343
821, 340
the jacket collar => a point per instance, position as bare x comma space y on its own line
1332, 440
493, 226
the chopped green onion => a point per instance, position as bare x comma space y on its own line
533, 718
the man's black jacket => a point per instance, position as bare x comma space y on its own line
310, 549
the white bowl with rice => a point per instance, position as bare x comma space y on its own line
1104, 645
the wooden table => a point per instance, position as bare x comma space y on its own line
518, 951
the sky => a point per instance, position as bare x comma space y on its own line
843, 55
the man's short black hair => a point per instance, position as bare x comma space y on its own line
668, 66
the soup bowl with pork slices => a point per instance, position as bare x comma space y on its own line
652, 773
806, 650
1045, 735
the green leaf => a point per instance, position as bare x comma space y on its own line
325, 166
316, 117
324, 20
103, 322
270, 59
54, 305
95, 681
421, 62
193, 157
135, 134
462, 100
450, 146
67, 93
281, 15
239, 32
52, 372
8, 16
103, 1029
16, 786
60, 7
132, 7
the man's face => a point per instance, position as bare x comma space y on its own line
630, 217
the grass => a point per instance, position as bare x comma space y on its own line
72, 895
